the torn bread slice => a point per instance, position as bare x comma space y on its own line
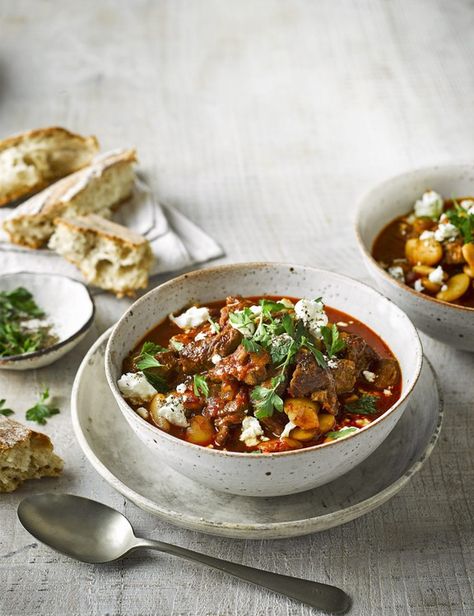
25, 454
32, 161
108, 255
96, 189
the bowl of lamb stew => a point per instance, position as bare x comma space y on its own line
416, 232
262, 393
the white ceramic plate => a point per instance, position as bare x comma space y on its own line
124, 462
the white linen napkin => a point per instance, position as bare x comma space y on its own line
176, 242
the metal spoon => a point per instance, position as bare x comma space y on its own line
94, 533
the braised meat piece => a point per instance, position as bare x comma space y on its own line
345, 376
453, 253
387, 373
197, 355
310, 379
232, 304
169, 365
232, 414
249, 368
358, 351
275, 424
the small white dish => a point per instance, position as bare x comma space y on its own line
67, 304
273, 474
119, 456
449, 323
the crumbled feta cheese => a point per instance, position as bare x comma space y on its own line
443, 218
257, 310
135, 387
446, 232
172, 410
311, 312
418, 286
287, 303
141, 410
342, 324
397, 273
369, 376
467, 204
245, 326
251, 431
35, 324
181, 388
216, 358
193, 317
437, 275
201, 336
287, 429
387, 392
332, 363
444, 287
430, 204
427, 235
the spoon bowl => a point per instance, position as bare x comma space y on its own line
78, 527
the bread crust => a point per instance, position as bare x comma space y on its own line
89, 143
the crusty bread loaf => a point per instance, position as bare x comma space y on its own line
25, 454
32, 161
96, 189
108, 255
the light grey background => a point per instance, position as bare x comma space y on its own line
263, 121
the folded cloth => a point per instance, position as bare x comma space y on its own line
176, 242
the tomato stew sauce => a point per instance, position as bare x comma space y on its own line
321, 400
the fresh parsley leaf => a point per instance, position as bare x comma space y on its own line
269, 306
152, 348
265, 399
158, 382
176, 344
282, 349
200, 386
341, 433
464, 221
332, 340
145, 361
214, 325
251, 346
42, 410
288, 325
243, 321
5, 411
365, 405
318, 356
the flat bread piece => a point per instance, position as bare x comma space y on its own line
108, 255
33, 160
25, 454
97, 189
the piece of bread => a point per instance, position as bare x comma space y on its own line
96, 189
108, 255
31, 161
25, 454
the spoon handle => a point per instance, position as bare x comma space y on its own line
322, 596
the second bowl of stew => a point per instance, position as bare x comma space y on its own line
262, 379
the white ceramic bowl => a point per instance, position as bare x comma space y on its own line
68, 306
279, 473
452, 324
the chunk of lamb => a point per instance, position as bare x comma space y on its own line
309, 379
232, 304
358, 351
387, 373
169, 365
246, 367
345, 376
197, 356
231, 415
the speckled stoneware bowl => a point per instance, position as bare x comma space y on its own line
278, 473
452, 324
68, 306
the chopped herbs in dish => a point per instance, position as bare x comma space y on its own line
431, 249
23, 325
261, 375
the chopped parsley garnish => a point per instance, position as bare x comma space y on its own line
463, 221
242, 320
42, 410
341, 433
6, 412
200, 386
266, 399
147, 358
332, 340
251, 346
365, 405
158, 382
215, 328
16, 307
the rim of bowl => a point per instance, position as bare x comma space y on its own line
253, 265
367, 252
25, 356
